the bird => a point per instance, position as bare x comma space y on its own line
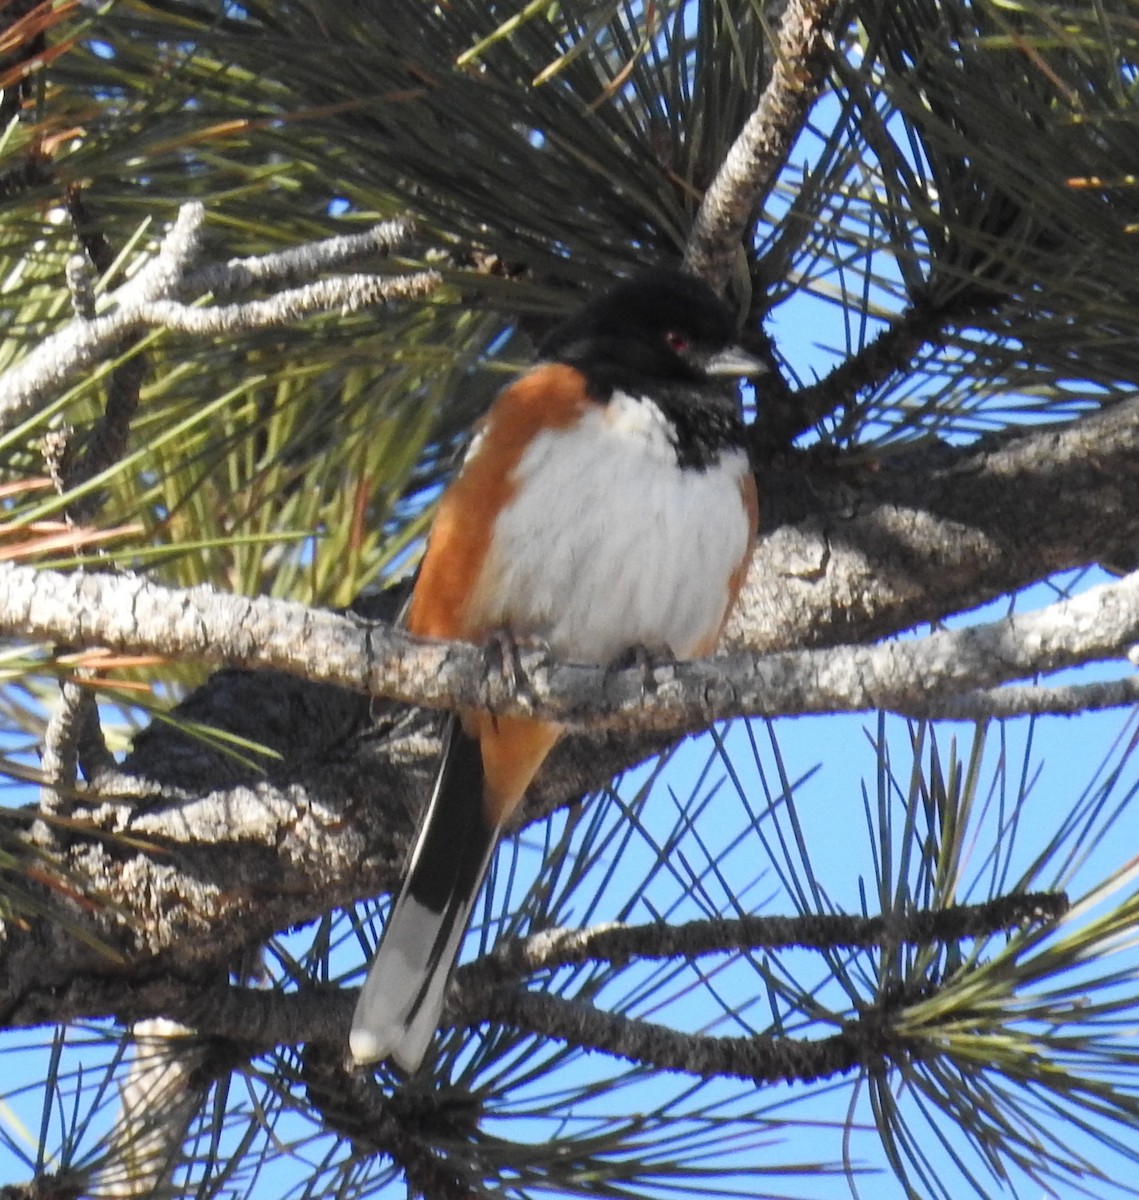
606, 505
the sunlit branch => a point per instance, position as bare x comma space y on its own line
164, 295
346, 292
298, 262
1020, 700
73, 739
800, 55
133, 614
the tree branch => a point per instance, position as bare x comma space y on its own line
298, 262
151, 298
257, 1019
135, 615
350, 1103
920, 537
783, 417
801, 49
859, 553
73, 739
761, 1058
1022, 700
619, 943
108, 439
158, 1101
349, 293
209, 856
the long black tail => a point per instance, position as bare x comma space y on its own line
402, 1000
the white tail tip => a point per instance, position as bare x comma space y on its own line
402, 1000
365, 1046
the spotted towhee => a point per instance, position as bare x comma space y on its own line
605, 504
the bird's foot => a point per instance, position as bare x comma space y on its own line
645, 660
502, 661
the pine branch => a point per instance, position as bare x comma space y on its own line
350, 1103
135, 615
321, 1019
152, 299
619, 943
1022, 700
163, 1090
72, 741
257, 1020
801, 50
108, 440
298, 263
74, 738
784, 416
761, 1058
858, 553
349, 293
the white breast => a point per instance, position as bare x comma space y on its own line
608, 543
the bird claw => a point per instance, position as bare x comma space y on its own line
502, 662
645, 660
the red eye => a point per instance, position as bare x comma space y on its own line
677, 342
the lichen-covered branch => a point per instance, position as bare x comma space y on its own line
856, 553
132, 614
1027, 699
73, 740
164, 292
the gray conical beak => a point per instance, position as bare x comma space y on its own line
734, 362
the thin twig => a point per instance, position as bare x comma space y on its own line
299, 262
346, 292
783, 418
83, 342
74, 737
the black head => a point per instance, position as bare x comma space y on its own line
659, 325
